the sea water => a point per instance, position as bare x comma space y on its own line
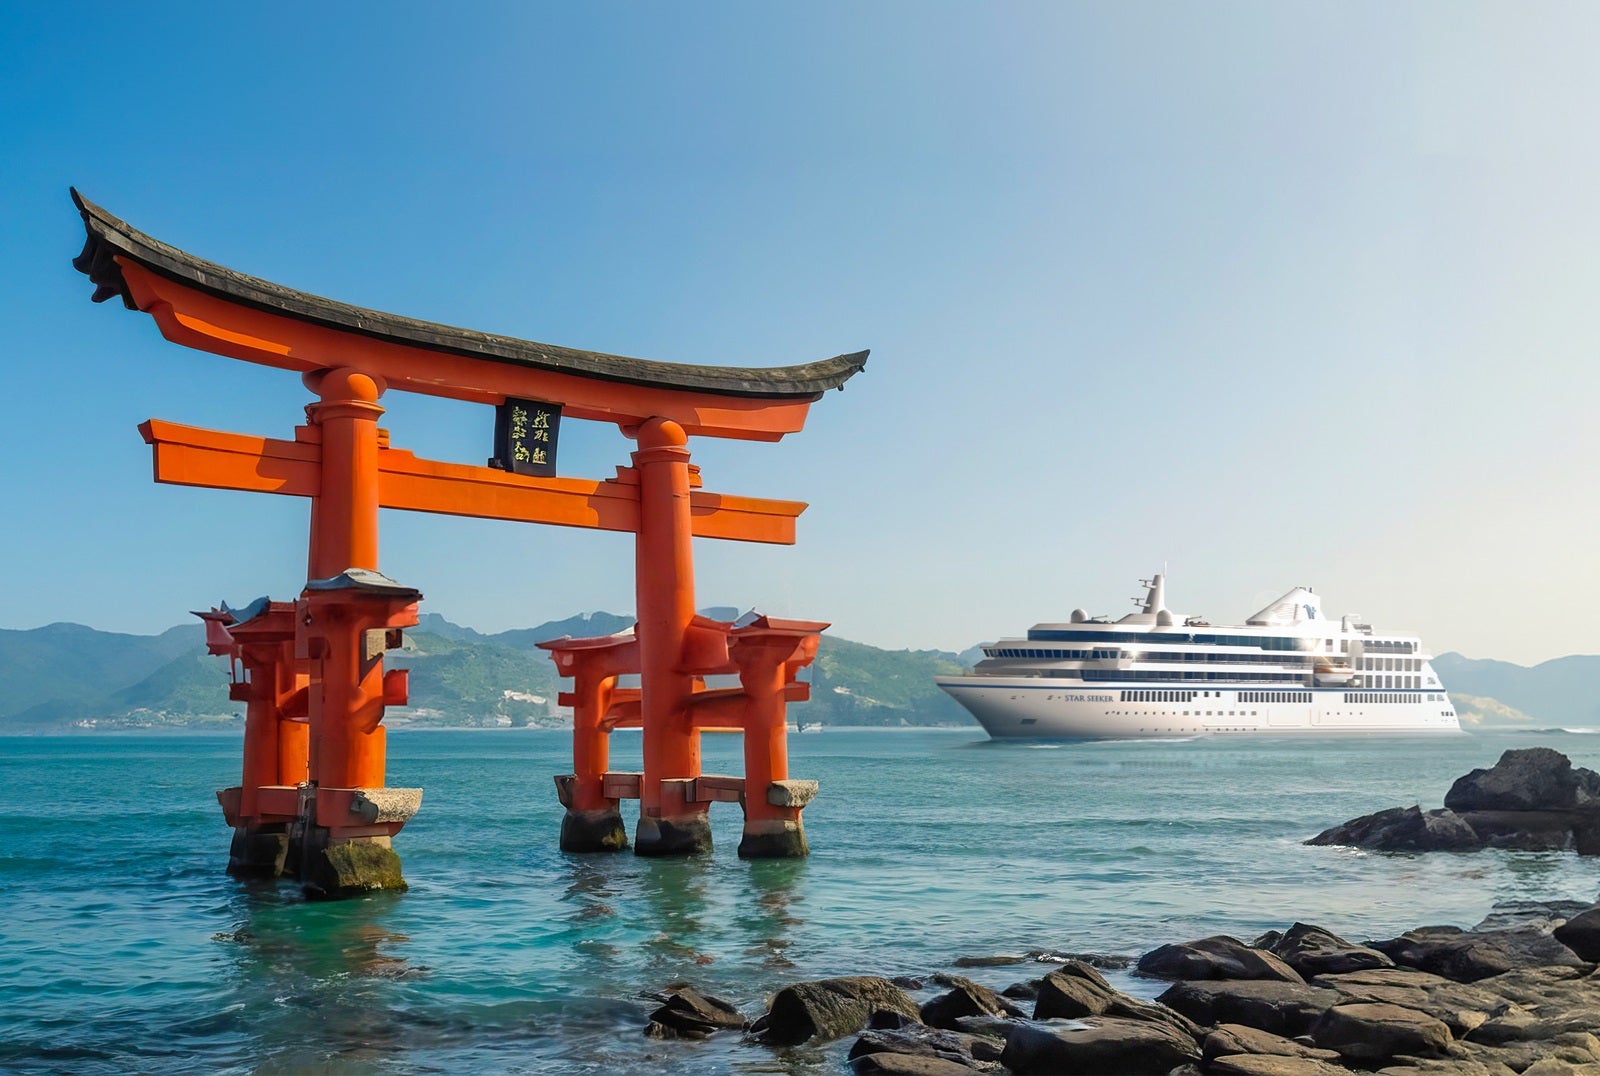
124, 947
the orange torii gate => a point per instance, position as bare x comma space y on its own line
313, 801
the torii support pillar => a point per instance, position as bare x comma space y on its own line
593, 822
265, 808
669, 824
349, 614
770, 653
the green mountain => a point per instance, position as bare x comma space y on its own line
54, 677
857, 684
61, 665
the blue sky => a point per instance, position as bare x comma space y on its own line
1274, 294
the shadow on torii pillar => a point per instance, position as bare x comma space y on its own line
313, 802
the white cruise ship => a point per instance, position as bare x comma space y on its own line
1154, 674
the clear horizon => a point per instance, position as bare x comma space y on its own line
1272, 296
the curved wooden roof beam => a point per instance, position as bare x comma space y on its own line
211, 308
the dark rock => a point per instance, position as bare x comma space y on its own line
1454, 1067
965, 998
689, 1014
1287, 1009
987, 961
1072, 991
919, 1041
1530, 779
1229, 1039
1313, 951
908, 982
1542, 915
1219, 957
1524, 831
1027, 991
1468, 957
1462, 1007
994, 1028
1103, 1045
1581, 934
1112, 961
1547, 1003
1075, 991
829, 1008
1368, 1032
1273, 1065
884, 1020
1404, 829
888, 1064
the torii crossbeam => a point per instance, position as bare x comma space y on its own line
318, 806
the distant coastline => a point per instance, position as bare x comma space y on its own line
64, 678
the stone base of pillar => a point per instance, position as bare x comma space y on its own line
777, 838
336, 868
593, 831
259, 851
680, 835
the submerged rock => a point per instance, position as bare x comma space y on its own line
688, 1014
1404, 829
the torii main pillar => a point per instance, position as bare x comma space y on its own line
348, 613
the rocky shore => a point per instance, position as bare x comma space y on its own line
1517, 995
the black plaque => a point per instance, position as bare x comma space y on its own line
525, 437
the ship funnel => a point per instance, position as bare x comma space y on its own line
1156, 600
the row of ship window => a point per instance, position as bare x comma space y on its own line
1209, 657
1391, 664
1265, 642
1158, 696
1274, 696
1381, 697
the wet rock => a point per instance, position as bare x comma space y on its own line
688, 1014
1231, 1039
890, 1064
925, 1042
1581, 934
1541, 915
1313, 951
1218, 957
1529, 779
1467, 956
1462, 1007
965, 998
1072, 991
1075, 991
1103, 1045
1000, 960
829, 1008
1527, 831
1110, 961
1273, 1065
1367, 1032
1287, 1009
1404, 829
1547, 1003
1454, 1067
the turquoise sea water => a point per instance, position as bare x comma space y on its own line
124, 947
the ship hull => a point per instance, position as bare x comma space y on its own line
1024, 708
